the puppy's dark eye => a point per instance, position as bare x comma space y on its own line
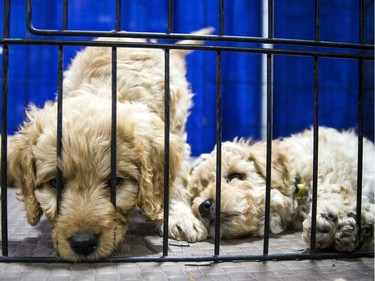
234, 176
118, 182
53, 183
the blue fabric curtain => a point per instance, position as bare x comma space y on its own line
338, 78
33, 69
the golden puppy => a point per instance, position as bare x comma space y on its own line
87, 225
243, 187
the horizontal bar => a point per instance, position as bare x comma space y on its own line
272, 257
147, 45
184, 36
174, 36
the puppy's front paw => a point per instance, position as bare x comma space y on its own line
345, 239
185, 227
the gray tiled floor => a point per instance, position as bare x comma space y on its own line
142, 241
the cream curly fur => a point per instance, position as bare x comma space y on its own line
244, 181
86, 209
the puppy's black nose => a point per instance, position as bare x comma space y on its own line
84, 244
205, 207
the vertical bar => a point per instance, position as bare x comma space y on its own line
118, 15
4, 133
170, 16
314, 195
4, 140
114, 126
166, 150
59, 175
270, 20
65, 15
315, 134
360, 143
167, 129
267, 204
317, 20
362, 22
221, 17
60, 102
360, 117
265, 34
29, 14
218, 149
218, 133
114, 112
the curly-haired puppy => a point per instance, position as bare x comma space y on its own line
243, 186
87, 225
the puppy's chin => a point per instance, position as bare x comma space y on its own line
230, 228
107, 243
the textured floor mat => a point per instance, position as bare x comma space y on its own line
142, 241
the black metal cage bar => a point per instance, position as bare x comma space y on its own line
114, 126
316, 133
166, 150
360, 116
118, 15
4, 126
59, 144
315, 155
218, 149
269, 124
314, 49
65, 12
179, 36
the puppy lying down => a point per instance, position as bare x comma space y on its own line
87, 225
243, 186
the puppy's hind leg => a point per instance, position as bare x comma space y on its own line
348, 230
347, 233
348, 237
336, 226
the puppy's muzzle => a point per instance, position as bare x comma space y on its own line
84, 244
207, 209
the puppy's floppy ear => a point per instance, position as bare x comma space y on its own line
152, 186
280, 176
22, 163
145, 130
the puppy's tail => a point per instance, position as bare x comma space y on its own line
203, 31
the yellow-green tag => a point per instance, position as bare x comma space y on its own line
300, 192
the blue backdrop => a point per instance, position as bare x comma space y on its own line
33, 69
